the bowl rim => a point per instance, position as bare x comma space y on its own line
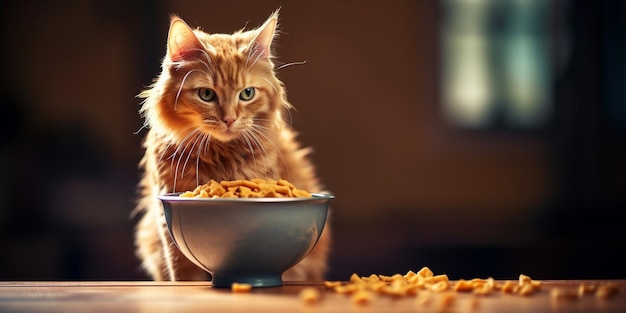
174, 197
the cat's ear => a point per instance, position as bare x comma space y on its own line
182, 43
262, 42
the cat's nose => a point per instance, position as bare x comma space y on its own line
228, 120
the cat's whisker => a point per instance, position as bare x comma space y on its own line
290, 64
258, 143
195, 142
173, 155
251, 52
177, 64
184, 147
266, 129
271, 84
177, 166
144, 126
201, 147
162, 154
258, 57
290, 121
245, 137
264, 132
208, 143
182, 84
208, 60
173, 158
208, 69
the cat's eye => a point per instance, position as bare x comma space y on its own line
206, 94
247, 94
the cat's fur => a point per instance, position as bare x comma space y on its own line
190, 141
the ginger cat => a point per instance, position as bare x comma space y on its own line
216, 112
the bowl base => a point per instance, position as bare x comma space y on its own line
265, 280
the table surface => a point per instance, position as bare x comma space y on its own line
157, 297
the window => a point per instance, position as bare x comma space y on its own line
496, 69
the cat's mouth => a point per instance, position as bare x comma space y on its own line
224, 133
229, 134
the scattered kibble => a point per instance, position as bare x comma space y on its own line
606, 291
361, 297
309, 295
424, 284
585, 289
411, 283
564, 294
239, 287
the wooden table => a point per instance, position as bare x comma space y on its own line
154, 297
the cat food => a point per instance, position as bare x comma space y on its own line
309, 295
564, 294
424, 284
602, 291
240, 287
363, 289
606, 291
255, 188
361, 297
585, 289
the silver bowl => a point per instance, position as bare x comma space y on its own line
245, 240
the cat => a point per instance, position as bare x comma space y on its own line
216, 111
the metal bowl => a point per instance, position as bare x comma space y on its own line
245, 240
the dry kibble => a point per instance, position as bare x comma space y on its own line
526, 289
239, 287
410, 274
188, 194
346, 289
482, 290
564, 293
425, 285
396, 288
309, 295
373, 278
584, 289
440, 286
523, 279
510, 286
438, 278
255, 188
384, 277
425, 272
478, 286
410, 284
355, 278
602, 291
463, 285
606, 291
332, 284
361, 297
412, 290
378, 286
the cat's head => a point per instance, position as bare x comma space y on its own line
217, 85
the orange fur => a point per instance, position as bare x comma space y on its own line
190, 141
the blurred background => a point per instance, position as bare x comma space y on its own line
477, 137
